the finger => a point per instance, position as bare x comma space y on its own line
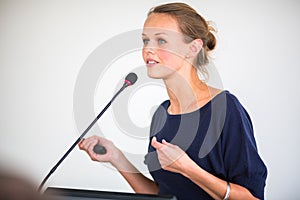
80, 143
156, 144
165, 142
88, 144
84, 144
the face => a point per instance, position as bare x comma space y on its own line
164, 49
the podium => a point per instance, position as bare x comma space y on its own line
55, 193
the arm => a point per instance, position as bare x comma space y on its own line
172, 158
138, 182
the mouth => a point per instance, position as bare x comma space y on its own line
151, 63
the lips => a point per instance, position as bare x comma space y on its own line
151, 62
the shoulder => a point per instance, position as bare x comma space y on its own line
159, 117
234, 107
165, 104
228, 104
232, 100
162, 108
231, 115
237, 119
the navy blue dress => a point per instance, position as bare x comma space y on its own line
218, 137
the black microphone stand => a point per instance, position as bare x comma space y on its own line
81, 137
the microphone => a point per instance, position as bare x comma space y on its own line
130, 79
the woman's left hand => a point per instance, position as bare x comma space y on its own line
170, 156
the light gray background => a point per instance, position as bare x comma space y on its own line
43, 45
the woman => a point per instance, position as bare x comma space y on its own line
201, 139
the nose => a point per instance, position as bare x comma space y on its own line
149, 50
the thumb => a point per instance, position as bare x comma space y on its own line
156, 144
165, 142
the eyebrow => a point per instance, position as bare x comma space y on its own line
160, 33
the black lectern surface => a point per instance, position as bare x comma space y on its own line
78, 194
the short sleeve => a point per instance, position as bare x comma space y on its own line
243, 164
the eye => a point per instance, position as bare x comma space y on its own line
145, 41
161, 41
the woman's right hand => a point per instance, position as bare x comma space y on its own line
88, 145
139, 182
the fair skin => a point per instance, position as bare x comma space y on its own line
169, 58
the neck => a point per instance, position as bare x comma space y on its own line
186, 91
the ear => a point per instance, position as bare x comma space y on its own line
195, 47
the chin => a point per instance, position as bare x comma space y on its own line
154, 75
159, 73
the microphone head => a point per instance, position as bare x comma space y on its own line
130, 79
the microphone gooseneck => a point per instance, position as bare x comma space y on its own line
130, 79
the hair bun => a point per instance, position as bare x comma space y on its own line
212, 41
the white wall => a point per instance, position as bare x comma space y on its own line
45, 44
